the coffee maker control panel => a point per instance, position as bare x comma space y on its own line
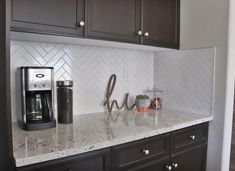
39, 79
41, 85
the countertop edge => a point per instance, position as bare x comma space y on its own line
70, 152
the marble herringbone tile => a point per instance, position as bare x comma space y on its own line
89, 67
186, 77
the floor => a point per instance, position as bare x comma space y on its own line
232, 157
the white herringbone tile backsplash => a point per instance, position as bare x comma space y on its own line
88, 66
186, 77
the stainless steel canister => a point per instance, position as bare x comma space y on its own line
65, 101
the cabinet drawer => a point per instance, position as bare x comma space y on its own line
189, 137
155, 165
93, 161
88, 165
127, 155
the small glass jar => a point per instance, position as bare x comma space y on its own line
156, 96
65, 101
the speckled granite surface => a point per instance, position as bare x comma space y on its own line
96, 131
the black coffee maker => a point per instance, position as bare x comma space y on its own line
37, 86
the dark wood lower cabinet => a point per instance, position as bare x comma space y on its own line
182, 150
193, 159
188, 137
156, 165
140, 152
93, 161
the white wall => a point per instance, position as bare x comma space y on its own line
230, 88
204, 23
196, 24
215, 159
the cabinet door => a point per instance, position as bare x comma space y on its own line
161, 22
116, 20
140, 152
193, 159
48, 16
158, 165
92, 161
189, 137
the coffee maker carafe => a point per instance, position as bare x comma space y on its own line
37, 98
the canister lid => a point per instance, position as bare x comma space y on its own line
64, 83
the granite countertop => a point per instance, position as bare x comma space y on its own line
96, 131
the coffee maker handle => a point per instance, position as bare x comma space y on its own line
48, 105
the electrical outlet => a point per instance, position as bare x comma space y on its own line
126, 73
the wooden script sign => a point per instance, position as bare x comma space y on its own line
110, 103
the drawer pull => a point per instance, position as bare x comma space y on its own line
139, 33
175, 165
192, 137
81, 24
146, 34
146, 152
169, 168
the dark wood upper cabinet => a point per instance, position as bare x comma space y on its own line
160, 22
148, 22
59, 17
116, 20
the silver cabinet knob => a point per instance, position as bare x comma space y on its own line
146, 34
81, 24
192, 137
139, 33
146, 152
169, 168
175, 165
